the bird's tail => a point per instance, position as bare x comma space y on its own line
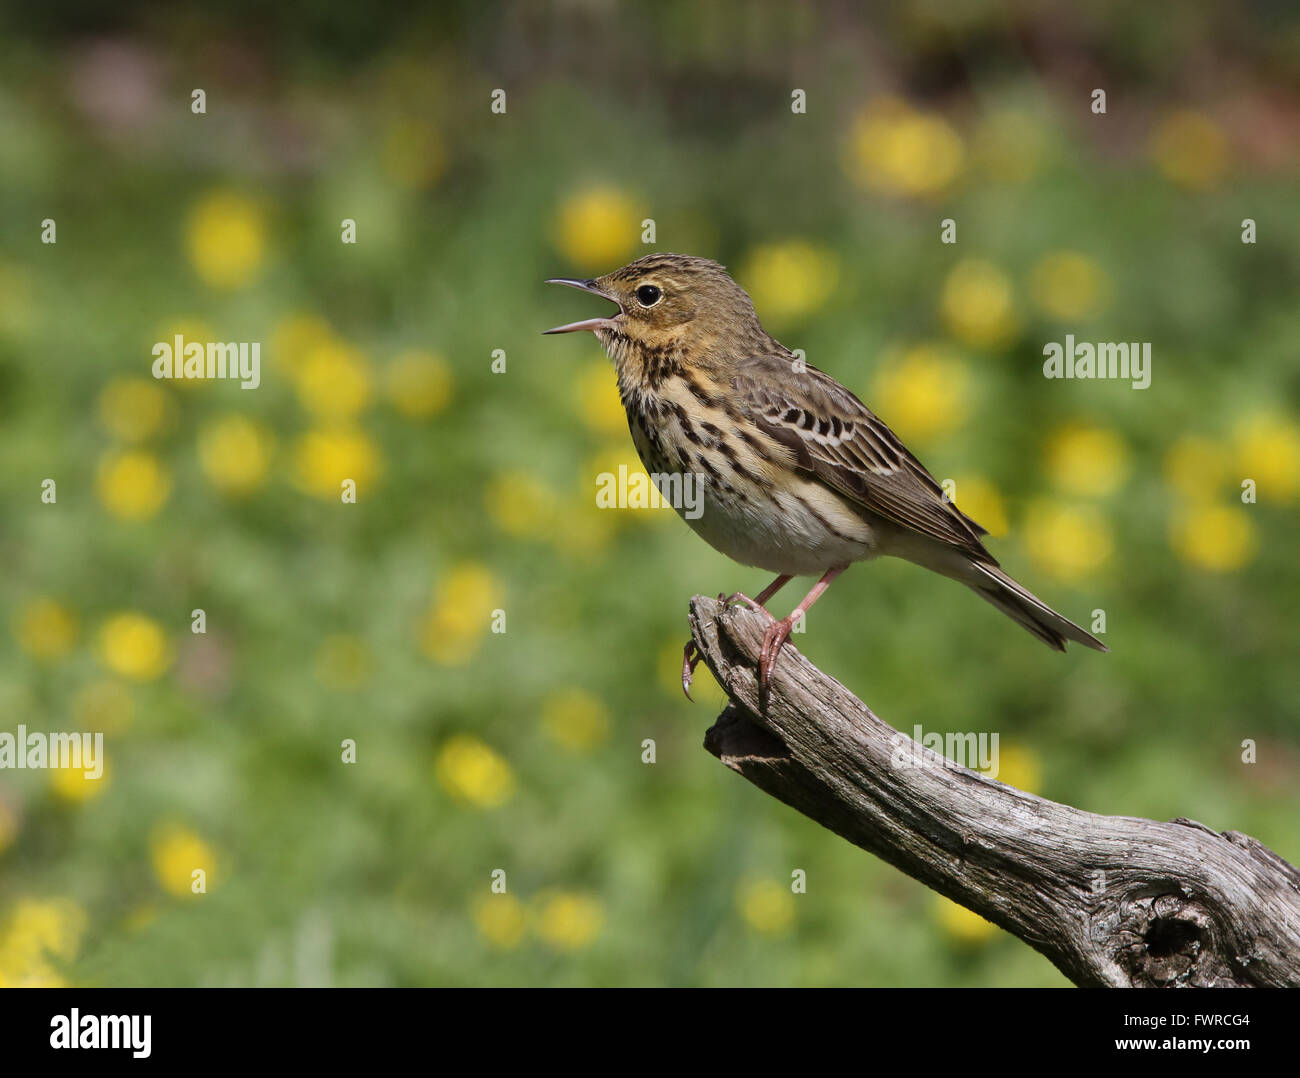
991, 583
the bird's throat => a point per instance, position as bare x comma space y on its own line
642, 367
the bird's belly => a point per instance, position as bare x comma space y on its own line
756, 514
801, 530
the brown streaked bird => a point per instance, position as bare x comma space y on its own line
799, 477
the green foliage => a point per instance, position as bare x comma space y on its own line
522, 750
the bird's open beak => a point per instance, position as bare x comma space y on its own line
590, 323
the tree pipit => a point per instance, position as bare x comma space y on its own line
799, 477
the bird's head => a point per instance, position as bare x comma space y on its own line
669, 301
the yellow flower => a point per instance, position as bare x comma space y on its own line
767, 907
965, 926
977, 304
575, 719
333, 381
191, 329
472, 772
500, 919
598, 401
133, 409
76, 784
1069, 285
643, 502
897, 150
54, 926
45, 629
980, 500
791, 279
103, 705
462, 612
35, 932
580, 530
1191, 150
1020, 767
1268, 451
1196, 467
923, 393
133, 646
297, 337
568, 920
177, 853
598, 227
226, 240
33, 973
520, 504
343, 662
1009, 146
132, 485
413, 153
419, 384
1087, 460
324, 458
1214, 537
469, 591
1070, 542
235, 454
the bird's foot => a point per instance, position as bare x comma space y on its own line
691, 654
690, 660
773, 641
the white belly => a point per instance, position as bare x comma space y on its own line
803, 531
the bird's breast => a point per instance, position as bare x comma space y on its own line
734, 485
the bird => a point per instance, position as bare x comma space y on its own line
798, 476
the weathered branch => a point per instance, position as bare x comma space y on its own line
1110, 900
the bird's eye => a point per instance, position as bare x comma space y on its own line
648, 295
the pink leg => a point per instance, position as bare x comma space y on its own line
691, 655
779, 631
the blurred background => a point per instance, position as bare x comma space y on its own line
522, 750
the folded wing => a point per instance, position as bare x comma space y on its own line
838, 440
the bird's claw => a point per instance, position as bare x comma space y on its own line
690, 660
774, 639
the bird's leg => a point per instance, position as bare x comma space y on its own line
691, 654
779, 631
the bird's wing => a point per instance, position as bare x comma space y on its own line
839, 441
